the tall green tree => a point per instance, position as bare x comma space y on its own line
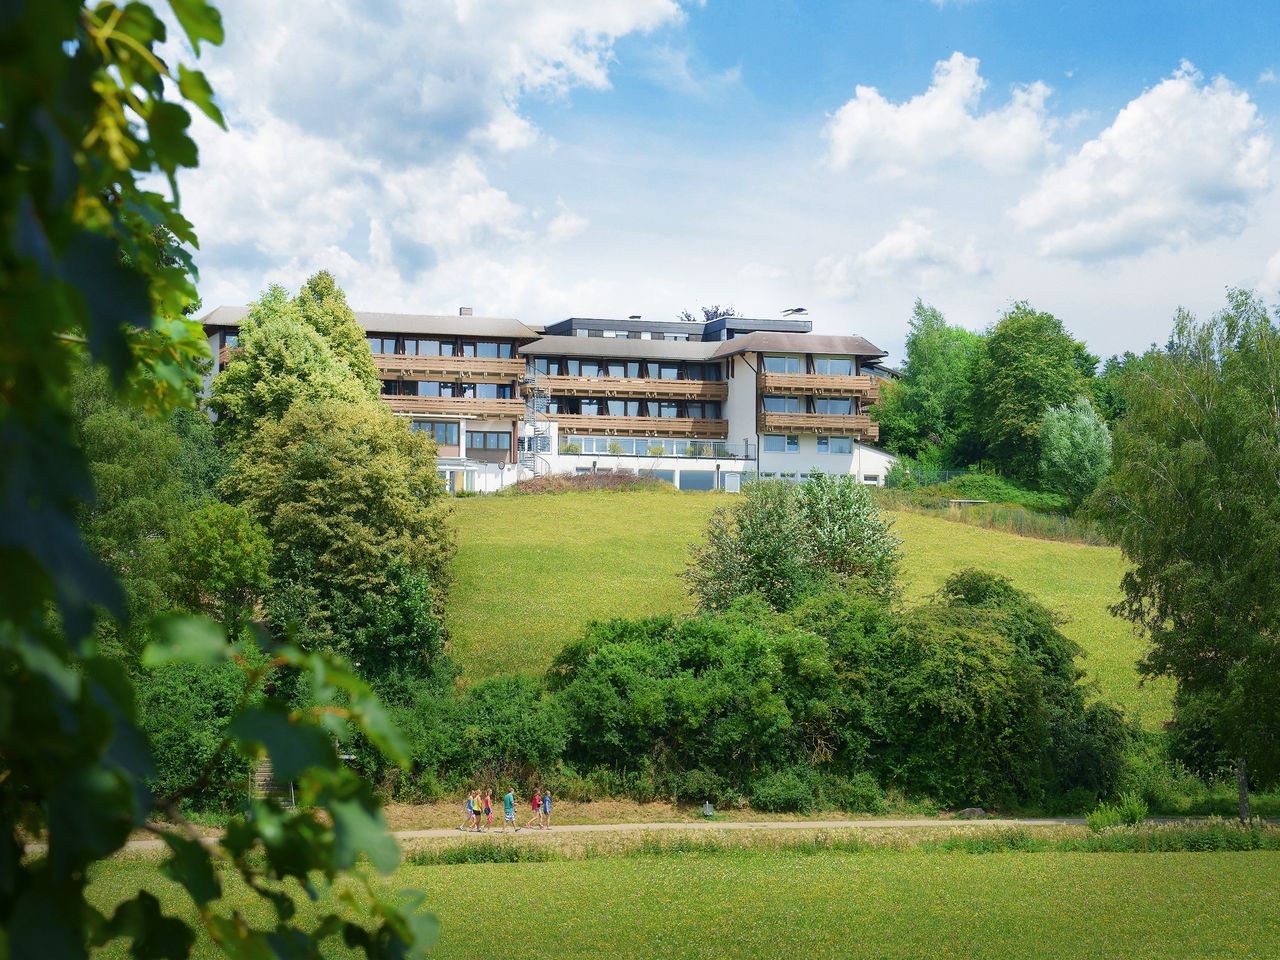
283, 359
323, 304
1075, 450
1026, 364
1194, 504
925, 415
91, 119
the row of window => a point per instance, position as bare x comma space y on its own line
630, 334
655, 447
698, 409
790, 443
871, 479
840, 406
653, 369
432, 388
828, 366
446, 434
420, 347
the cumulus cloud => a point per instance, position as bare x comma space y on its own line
941, 124
914, 249
1182, 162
364, 137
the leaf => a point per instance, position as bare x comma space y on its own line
167, 126
114, 297
154, 936
183, 639
359, 827
195, 87
293, 747
192, 867
200, 21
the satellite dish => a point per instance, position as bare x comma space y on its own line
793, 311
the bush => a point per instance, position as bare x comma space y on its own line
859, 793
1132, 809
783, 791
699, 786
996, 489
1103, 816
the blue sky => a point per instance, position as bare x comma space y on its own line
1108, 161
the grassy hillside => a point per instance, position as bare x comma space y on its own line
533, 571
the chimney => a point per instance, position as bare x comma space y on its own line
464, 311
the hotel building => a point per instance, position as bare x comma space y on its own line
702, 405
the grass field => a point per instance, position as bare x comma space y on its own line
881, 904
532, 571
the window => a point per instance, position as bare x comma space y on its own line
488, 440
782, 365
590, 368
633, 368
677, 336
231, 339
782, 405
484, 350
581, 333
708, 410
430, 388
375, 344
837, 406
493, 391
592, 408
833, 366
667, 371
702, 371
779, 443
444, 434
623, 408
542, 365
835, 445
615, 368
871, 478
664, 409
646, 335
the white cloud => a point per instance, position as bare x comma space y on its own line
565, 225
1271, 276
913, 250
1182, 162
941, 124
1268, 76
674, 68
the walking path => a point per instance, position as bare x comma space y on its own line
704, 825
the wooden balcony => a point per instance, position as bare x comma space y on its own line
857, 425
224, 356
650, 387
404, 367
642, 426
819, 384
456, 407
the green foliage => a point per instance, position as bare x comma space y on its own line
1075, 450
323, 304
783, 540
1130, 809
1133, 809
347, 494
996, 489
926, 413
1194, 505
784, 791
1026, 363
221, 558
94, 264
282, 360
1102, 817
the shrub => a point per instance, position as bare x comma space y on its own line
989, 486
1132, 809
699, 786
783, 791
1102, 816
1075, 450
859, 793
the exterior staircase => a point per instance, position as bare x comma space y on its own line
262, 785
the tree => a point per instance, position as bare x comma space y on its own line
282, 360
782, 540
221, 557
925, 415
1075, 450
322, 304
715, 312
90, 117
1027, 363
1192, 501
346, 493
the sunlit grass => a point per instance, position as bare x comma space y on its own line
532, 571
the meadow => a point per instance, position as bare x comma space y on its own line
764, 903
532, 571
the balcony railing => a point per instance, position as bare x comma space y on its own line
642, 426
224, 355
407, 367
656, 447
820, 384
456, 406
635, 387
859, 425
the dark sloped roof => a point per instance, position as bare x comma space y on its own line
798, 343
412, 323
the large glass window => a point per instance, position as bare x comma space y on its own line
835, 406
633, 368
709, 409
231, 339
542, 365
410, 348
592, 408
623, 408
782, 405
590, 368
493, 391
702, 371
488, 440
444, 434
616, 368
833, 366
430, 388
571, 368
783, 365
780, 443
667, 371
835, 445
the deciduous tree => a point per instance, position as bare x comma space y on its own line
1075, 450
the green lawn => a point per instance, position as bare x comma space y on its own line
892, 904
532, 571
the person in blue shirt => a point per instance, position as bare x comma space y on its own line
546, 809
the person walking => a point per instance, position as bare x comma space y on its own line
509, 810
546, 809
470, 813
536, 807
488, 810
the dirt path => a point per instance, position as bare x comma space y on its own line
694, 826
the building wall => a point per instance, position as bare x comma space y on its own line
740, 408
